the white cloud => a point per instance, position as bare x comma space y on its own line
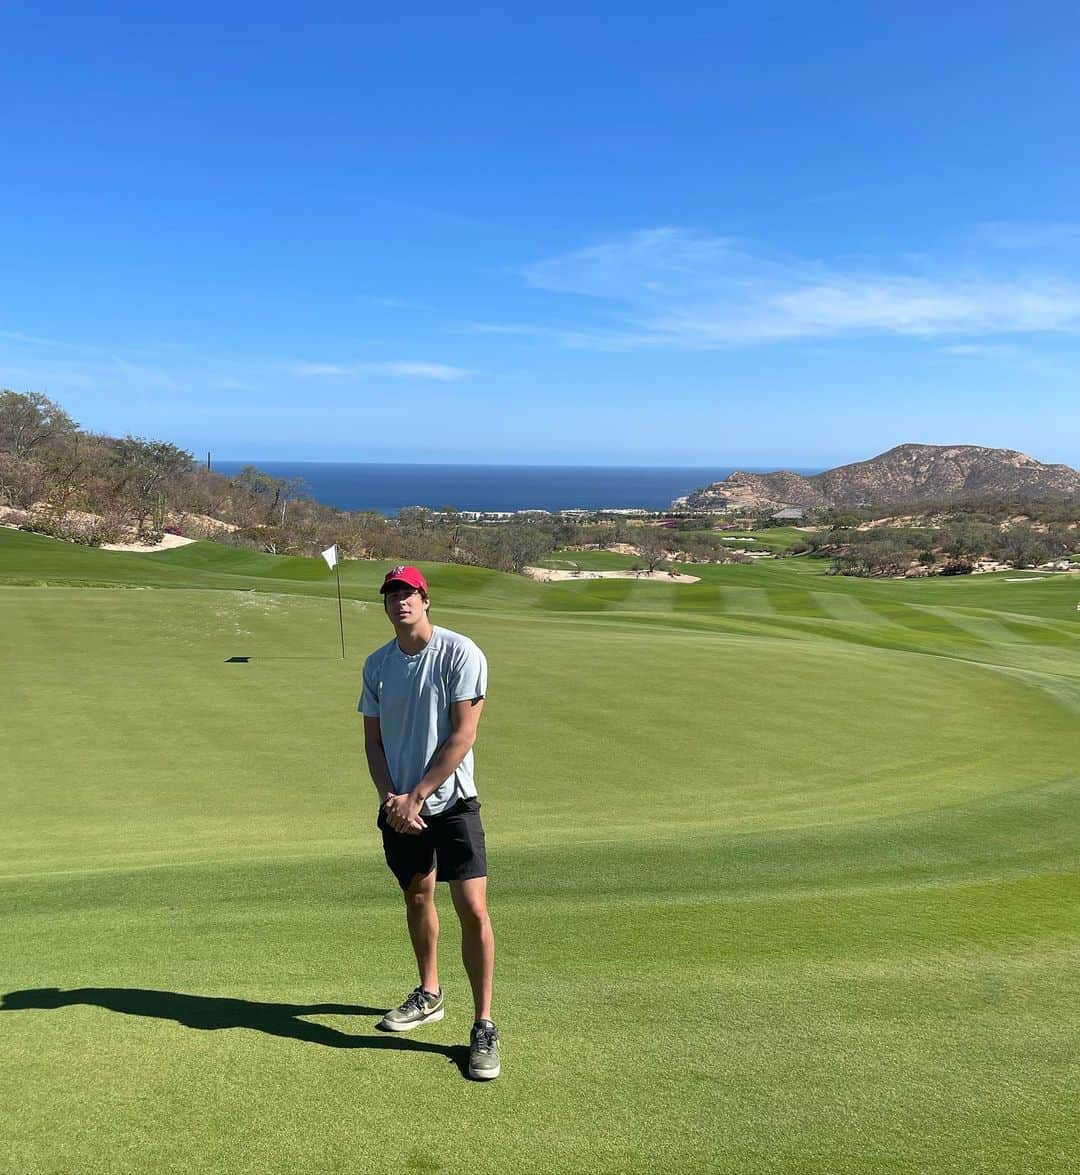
504, 328
982, 350
395, 368
407, 370
670, 289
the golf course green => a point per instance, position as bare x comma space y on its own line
785, 873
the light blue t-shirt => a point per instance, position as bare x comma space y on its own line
411, 696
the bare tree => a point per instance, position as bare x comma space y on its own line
30, 420
650, 546
279, 491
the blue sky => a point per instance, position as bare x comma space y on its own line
780, 234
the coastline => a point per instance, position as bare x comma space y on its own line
388, 488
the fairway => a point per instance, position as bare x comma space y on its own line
784, 873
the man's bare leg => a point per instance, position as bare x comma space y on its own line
477, 940
423, 922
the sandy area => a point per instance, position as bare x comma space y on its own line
168, 542
203, 520
544, 575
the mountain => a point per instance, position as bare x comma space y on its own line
907, 473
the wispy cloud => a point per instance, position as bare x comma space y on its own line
982, 350
671, 289
29, 359
505, 328
394, 368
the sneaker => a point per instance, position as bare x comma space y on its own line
420, 1007
484, 1050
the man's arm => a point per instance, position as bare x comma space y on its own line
376, 757
464, 720
380, 771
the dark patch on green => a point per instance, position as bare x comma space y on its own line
698, 597
612, 591
796, 602
565, 597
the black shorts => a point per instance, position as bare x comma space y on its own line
454, 840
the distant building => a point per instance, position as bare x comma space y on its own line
789, 514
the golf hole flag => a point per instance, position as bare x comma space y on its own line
333, 557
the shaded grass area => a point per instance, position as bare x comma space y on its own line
784, 874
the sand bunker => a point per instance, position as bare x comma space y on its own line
168, 542
546, 575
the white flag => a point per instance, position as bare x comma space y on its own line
332, 555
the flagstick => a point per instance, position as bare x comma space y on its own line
341, 618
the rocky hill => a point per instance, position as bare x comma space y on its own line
907, 473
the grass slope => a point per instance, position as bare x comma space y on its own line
784, 874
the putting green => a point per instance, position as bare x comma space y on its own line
783, 874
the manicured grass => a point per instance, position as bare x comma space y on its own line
784, 874
770, 538
588, 560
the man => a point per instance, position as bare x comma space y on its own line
422, 700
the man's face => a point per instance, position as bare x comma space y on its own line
404, 604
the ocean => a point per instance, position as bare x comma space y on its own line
389, 488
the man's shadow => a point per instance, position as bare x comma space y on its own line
210, 1013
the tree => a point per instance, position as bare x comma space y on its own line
519, 544
414, 516
1023, 546
968, 538
146, 467
279, 490
650, 546
30, 420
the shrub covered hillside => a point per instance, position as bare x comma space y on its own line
58, 479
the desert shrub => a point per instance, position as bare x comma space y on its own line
197, 528
112, 527
36, 525
1023, 545
86, 534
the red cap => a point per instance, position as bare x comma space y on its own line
410, 576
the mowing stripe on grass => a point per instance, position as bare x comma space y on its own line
747, 600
